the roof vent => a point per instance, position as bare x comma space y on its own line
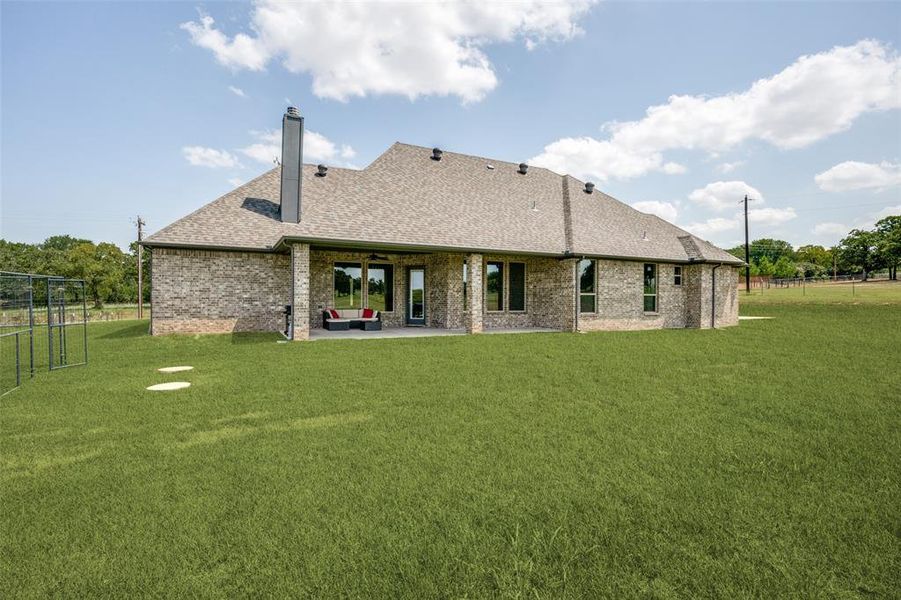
292, 111
523, 168
490, 167
436, 153
644, 236
322, 170
589, 187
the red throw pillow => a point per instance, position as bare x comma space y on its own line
334, 313
368, 313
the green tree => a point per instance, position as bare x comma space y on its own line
889, 243
102, 267
860, 251
765, 266
772, 249
784, 268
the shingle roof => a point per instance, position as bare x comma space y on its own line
404, 198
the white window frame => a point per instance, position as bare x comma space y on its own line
677, 275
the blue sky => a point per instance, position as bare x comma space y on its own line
114, 110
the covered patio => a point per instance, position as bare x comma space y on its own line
419, 293
415, 332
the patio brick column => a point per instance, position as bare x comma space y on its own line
569, 295
300, 291
474, 294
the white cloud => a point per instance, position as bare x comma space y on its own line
316, 147
209, 157
665, 210
712, 225
243, 51
235, 182
771, 216
888, 211
407, 48
724, 195
672, 168
816, 96
728, 167
237, 91
853, 175
830, 229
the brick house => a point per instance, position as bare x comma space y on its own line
434, 239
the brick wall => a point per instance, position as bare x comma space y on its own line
199, 291
202, 291
621, 291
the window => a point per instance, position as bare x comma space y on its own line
677, 275
587, 282
348, 285
465, 283
517, 286
494, 286
650, 288
380, 294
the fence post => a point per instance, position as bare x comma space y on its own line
18, 369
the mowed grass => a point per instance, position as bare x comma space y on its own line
871, 292
756, 461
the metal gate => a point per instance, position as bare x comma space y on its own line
43, 324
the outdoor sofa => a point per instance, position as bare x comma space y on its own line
342, 319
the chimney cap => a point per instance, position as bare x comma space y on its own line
523, 168
589, 187
436, 153
292, 111
321, 170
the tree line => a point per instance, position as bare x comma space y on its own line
110, 275
861, 251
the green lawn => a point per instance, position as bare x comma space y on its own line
871, 292
756, 461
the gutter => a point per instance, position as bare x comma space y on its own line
713, 295
279, 247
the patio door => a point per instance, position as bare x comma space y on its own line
415, 296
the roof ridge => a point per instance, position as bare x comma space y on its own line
691, 247
477, 156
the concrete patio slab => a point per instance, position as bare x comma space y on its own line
411, 332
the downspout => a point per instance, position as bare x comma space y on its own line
713, 296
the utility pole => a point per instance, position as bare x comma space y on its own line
140, 224
747, 251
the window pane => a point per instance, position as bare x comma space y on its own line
494, 286
586, 276
650, 279
586, 303
650, 303
677, 275
348, 285
517, 294
417, 294
465, 282
381, 287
